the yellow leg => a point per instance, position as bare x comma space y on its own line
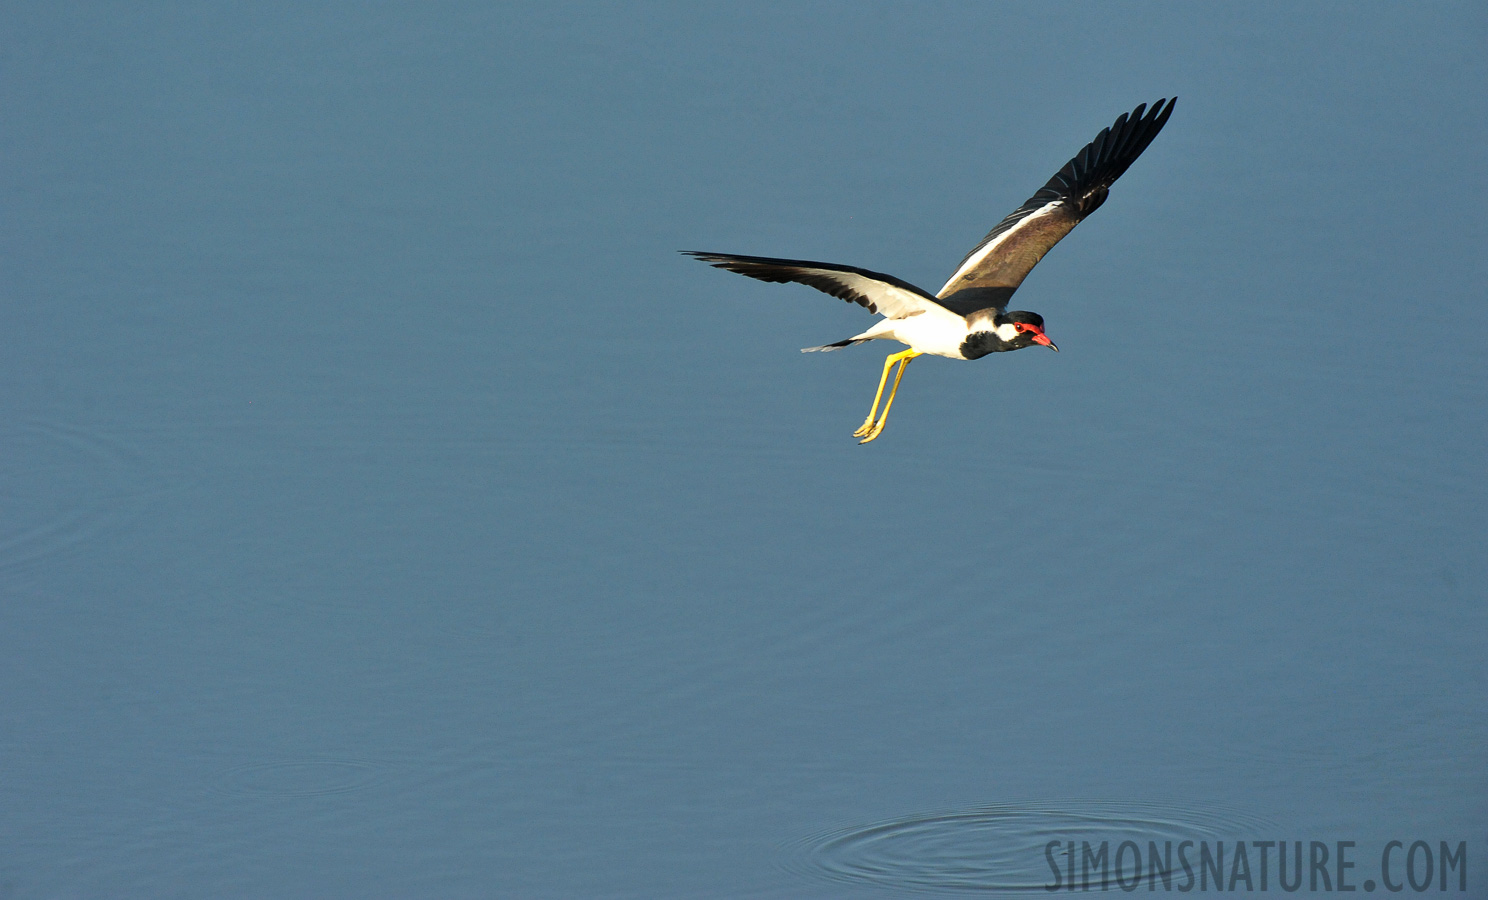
882, 380
871, 429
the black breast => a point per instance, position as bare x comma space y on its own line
980, 343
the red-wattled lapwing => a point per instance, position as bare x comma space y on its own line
968, 319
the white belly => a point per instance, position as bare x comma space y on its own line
937, 332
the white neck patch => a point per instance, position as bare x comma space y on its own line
1006, 332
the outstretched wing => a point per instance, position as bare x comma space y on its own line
994, 268
883, 294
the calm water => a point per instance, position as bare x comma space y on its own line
390, 512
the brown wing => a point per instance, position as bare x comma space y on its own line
994, 268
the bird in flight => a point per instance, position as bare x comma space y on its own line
968, 318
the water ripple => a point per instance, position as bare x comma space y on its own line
62, 486
309, 777
1001, 847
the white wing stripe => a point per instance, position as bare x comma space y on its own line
892, 302
986, 249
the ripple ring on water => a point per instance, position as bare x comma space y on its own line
1001, 847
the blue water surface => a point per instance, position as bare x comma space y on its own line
389, 511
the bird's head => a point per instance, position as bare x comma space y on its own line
1027, 329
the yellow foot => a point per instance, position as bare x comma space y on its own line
871, 433
866, 427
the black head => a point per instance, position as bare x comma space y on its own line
1030, 329
998, 332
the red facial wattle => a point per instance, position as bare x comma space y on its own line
1037, 334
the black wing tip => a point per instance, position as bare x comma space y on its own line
761, 267
1159, 113
1105, 159
726, 259
753, 266
1160, 107
1137, 129
1154, 120
706, 256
